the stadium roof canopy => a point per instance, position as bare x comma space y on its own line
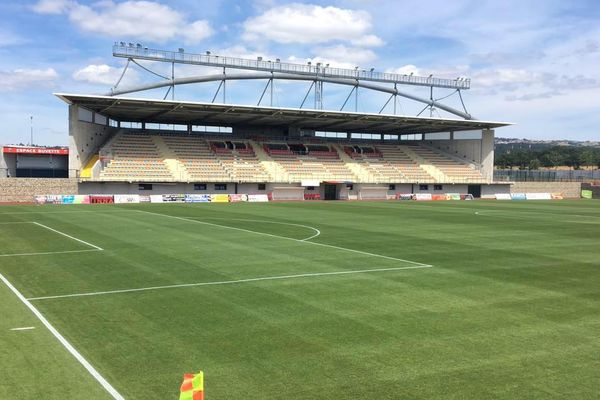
213, 114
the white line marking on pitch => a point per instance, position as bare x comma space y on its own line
264, 278
25, 328
107, 386
317, 232
287, 238
48, 252
69, 236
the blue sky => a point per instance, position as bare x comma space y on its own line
534, 63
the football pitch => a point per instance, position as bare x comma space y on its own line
323, 300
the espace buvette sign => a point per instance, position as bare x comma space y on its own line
34, 150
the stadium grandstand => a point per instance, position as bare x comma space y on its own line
128, 144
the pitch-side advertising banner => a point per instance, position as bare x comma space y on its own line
68, 199
503, 196
518, 196
219, 198
538, 196
127, 198
173, 198
48, 199
156, 198
234, 198
197, 198
101, 199
258, 198
423, 196
81, 199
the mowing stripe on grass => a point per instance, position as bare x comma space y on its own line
69, 236
287, 238
264, 278
107, 386
264, 221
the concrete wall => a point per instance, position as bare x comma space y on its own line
168, 188
23, 189
471, 150
252, 188
500, 188
85, 139
468, 150
568, 189
487, 154
8, 165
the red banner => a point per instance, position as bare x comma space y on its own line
34, 150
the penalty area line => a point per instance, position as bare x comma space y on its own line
69, 236
264, 278
107, 386
288, 238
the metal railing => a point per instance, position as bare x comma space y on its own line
546, 175
130, 50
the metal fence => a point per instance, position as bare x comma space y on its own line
501, 175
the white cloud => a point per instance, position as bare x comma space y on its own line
104, 74
23, 78
368, 41
506, 78
244, 52
143, 20
197, 31
305, 23
52, 6
405, 70
341, 56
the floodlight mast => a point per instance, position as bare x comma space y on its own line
131, 51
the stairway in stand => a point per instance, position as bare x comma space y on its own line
170, 159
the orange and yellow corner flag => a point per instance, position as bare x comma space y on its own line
192, 387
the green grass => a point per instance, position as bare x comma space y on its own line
511, 308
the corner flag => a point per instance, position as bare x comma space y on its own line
192, 387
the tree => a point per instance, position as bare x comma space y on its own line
553, 158
534, 164
589, 157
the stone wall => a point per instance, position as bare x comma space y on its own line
568, 189
22, 190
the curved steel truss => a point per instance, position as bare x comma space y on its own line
317, 82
